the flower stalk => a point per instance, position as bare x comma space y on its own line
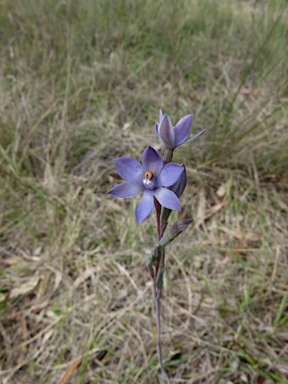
161, 183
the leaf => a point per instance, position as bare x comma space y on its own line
177, 228
26, 287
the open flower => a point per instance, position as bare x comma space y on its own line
149, 179
173, 137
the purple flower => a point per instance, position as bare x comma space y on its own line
149, 179
173, 137
180, 185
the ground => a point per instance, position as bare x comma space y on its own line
81, 84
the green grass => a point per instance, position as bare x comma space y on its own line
80, 84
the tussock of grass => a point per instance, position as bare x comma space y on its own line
81, 84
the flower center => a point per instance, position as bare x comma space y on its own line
149, 180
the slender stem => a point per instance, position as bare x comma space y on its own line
168, 155
157, 290
157, 295
158, 208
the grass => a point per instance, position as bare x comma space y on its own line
81, 83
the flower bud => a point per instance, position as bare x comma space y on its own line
180, 185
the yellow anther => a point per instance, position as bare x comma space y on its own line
148, 175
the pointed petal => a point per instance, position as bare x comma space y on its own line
160, 115
152, 161
126, 190
182, 129
167, 199
195, 136
129, 169
169, 175
145, 207
156, 128
166, 132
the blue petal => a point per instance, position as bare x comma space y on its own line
167, 199
156, 128
152, 161
145, 207
129, 169
126, 190
169, 175
166, 132
195, 136
160, 115
182, 129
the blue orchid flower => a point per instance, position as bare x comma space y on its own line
173, 137
150, 179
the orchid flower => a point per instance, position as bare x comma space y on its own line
150, 179
173, 137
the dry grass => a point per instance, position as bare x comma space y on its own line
81, 84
